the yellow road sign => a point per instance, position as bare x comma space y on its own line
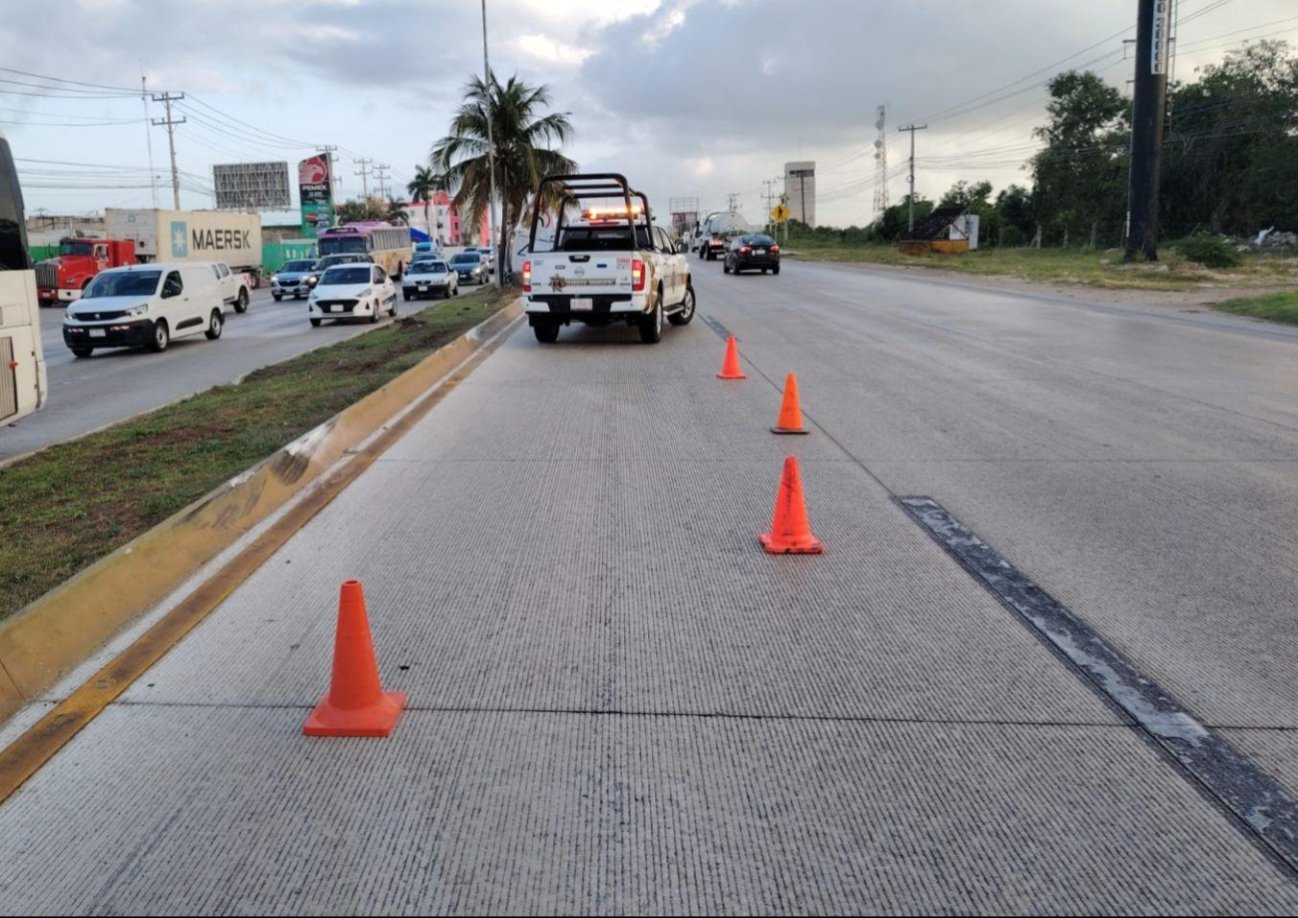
780, 213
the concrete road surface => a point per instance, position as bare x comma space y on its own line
619, 703
116, 384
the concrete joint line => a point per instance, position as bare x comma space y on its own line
1267, 811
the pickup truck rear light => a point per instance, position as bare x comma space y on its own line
637, 275
527, 277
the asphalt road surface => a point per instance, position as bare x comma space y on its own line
116, 384
620, 704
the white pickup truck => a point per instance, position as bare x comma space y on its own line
233, 284
611, 265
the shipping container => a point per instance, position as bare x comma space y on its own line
191, 235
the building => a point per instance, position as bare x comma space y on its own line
800, 191
446, 226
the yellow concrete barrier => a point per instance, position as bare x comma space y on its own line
51, 636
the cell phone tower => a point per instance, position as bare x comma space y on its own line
881, 163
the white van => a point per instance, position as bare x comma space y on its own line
145, 306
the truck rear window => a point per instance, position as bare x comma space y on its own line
602, 239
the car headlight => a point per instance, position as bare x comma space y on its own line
69, 316
137, 311
312, 281
364, 293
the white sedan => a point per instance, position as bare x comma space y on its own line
428, 278
353, 291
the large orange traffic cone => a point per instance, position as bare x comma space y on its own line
790, 421
790, 529
731, 368
356, 704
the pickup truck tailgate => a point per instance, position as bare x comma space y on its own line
582, 274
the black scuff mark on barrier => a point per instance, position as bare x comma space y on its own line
716, 326
1229, 777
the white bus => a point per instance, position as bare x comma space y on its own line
22, 359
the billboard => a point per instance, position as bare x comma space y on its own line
261, 186
315, 187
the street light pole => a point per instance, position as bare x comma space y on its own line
491, 147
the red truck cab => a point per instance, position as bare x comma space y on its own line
61, 279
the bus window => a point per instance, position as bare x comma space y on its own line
13, 233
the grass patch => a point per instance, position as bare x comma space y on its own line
70, 505
1275, 307
1103, 269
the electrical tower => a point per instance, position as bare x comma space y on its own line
881, 163
734, 201
170, 123
381, 176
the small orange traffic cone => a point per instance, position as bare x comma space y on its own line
790, 421
731, 368
790, 529
356, 704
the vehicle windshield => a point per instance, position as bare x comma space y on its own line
295, 266
330, 260
346, 244
76, 247
123, 283
346, 275
428, 267
466, 258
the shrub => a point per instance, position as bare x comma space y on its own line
1209, 251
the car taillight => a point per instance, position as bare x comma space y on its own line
527, 277
745, 250
637, 275
775, 248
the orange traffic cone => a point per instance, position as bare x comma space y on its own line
790, 421
731, 368
356, 704
790, 529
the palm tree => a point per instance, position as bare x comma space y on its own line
523, 156
393, 211
423, 188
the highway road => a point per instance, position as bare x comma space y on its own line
1072, 700
115, 384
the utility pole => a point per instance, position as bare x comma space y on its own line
381, 175
770, 202
148, 135
170, 123
491, 156
910, 225
328, 151
734, 202
1153, 30
364, 173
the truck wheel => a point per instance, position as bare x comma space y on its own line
683, 317
214, 325
82, 351
161, 337
241, 301
546, 332
651, 326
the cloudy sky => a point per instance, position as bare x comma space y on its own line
687, 98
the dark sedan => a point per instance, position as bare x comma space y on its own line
751, 252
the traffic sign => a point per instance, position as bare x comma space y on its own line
780, 213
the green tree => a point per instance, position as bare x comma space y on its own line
1231, 145
976, 198
423, 189
522, 138
1081, 175
1016, 211
894, 223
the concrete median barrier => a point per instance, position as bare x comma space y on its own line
57, 632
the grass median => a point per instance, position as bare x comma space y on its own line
1089, 267
71, 504
1274, 307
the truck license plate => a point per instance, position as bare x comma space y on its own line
98, 333
582, 302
